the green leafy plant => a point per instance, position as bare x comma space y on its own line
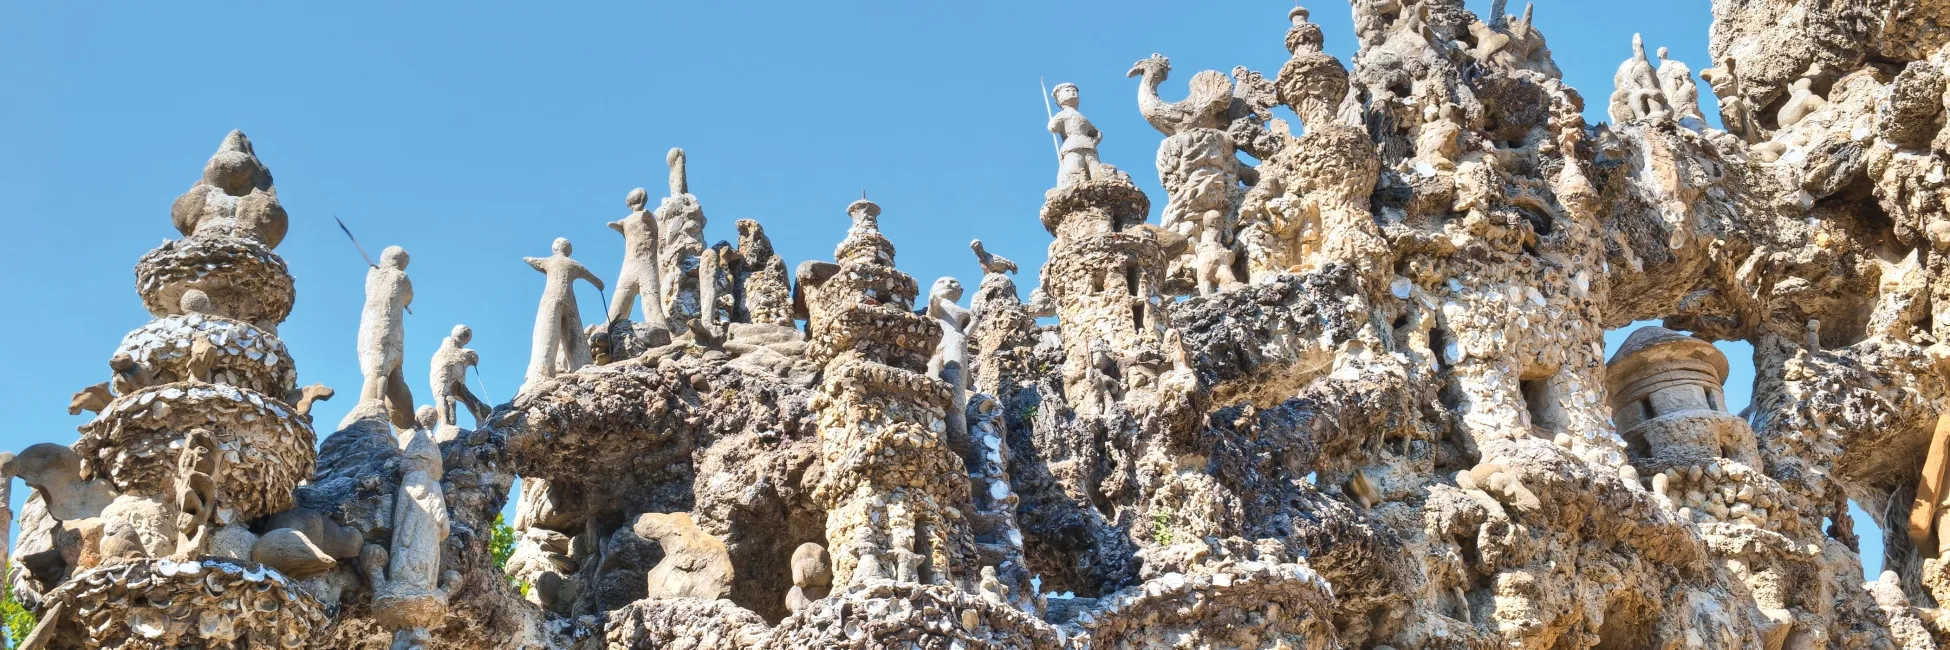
15, 617
1161, 527
501, 545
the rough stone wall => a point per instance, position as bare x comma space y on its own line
1356, 395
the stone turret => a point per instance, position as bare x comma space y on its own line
204, 433
893, 488
1105, 275
1667, 402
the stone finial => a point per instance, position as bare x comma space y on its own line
679, 182
1303, 36
864, 243
233, 198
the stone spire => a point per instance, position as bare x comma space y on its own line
893, 488
204, 436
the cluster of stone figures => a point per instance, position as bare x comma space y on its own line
1354, 395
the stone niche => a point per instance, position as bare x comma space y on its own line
1667, 402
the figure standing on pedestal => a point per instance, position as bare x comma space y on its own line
1077, 157
409, 590
382, 336
450, 364
558, 325
639, 276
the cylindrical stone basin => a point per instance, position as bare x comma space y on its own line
243, 278
267, 448
159, 603
245, 355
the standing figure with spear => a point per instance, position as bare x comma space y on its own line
1077, 138
382, 333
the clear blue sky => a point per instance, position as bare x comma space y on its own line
475, 133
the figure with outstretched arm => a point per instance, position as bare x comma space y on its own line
639, 277
558, 325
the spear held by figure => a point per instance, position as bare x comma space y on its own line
1051, 114
362, 249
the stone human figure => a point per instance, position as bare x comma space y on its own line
1802, 99
197, 466
870, 561
382, 336
1736, 114
1676, 80
1077, 156
992, 588
1213, 258
449, 378
954, 321
1636, 93
408, 586
1100, 382
812, 576
907, 563
639, 278
558, 324
680, 220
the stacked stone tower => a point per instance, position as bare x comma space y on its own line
1104, 276
203, 432
892, 486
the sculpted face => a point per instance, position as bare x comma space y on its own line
1067, 95
394, 257
948, 289
562, 246
462, 334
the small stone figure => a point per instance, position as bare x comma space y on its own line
812, 576
382, 336
197, 466
234, 198
638, 279
870, 564
1676, 80
954, 322
92, 399
907, 563
303, 398
409, 590
1736, 113
1802, 99
449, 377
992, 588
1637, 94
558, 325
55, 471
1077, 156
704, 325
764, 286
695, 564
1100, 381
990, 262
1213, 259
129, 375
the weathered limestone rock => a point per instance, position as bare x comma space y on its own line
1357, 396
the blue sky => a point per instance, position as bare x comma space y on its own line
473, 134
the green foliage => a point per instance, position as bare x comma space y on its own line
1161, 527
501, 544
17, 619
